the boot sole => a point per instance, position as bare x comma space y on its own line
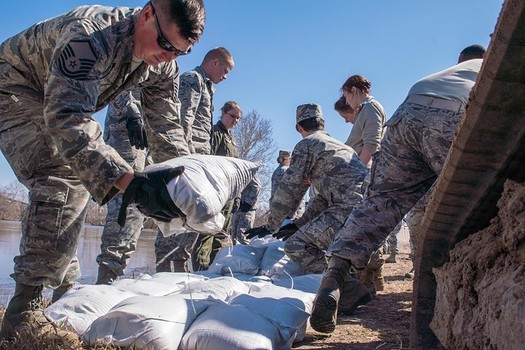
324, 315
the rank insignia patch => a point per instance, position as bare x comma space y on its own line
77, 59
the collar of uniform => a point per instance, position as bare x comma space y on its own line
368, 99
201, 71
220, 125
125, 32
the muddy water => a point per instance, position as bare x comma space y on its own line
142, 261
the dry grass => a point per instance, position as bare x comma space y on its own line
381, 324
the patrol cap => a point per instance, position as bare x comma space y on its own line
284, 153
307, 111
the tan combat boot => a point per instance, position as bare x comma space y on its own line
392, 258
379, 280
25, 315
324, 313
366, 276
354, 294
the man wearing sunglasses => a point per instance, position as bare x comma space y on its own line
196, 96
53, 77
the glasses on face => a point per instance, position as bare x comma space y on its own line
236, 117
161, 39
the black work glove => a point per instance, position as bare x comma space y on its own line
260, 232
149, 193
245, 207
137, 132
286, 231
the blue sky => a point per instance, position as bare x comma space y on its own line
289, 52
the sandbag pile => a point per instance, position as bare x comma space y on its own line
251, 298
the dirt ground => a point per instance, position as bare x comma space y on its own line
384, 323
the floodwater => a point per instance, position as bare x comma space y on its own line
142, 261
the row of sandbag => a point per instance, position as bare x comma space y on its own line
198, 311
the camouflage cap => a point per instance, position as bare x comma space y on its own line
307, 111
283, 153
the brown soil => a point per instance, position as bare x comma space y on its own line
384, 323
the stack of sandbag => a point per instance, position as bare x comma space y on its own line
203, 189
241, 309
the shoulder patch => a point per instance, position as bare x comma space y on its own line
77, 59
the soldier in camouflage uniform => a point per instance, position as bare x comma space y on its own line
412, 154
196, 96
337, 174
125, 131
284, 162
53, 77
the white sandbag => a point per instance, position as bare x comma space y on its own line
162, 284
276, 263
239, 258
218, 288
146, 322
285, 306
235, 327
203, 189
306, 283
83, 304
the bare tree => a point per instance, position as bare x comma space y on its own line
13, 201
254, 136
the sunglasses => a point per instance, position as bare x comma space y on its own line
161, 39
234, 116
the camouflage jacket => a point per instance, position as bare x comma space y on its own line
196, 97
325, 163
68, 67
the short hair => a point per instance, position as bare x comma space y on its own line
341, 106
471, 52
312, 124
228, 106
359, 82
219, 53
189, 15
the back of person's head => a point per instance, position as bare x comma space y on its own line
309, 117
221, 54
471, 52
341, 106
360, 83
189, 15
283, 155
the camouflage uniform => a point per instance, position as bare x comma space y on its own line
53, 77
412, 154
196, 96
277, 175
336, 172
117, 243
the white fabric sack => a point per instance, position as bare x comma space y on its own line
235, 327
239, 258
83, 304
218, 288
202, 190
161, 284
146, 322
306, 283
276, 263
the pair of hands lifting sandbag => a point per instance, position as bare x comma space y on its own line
189, 193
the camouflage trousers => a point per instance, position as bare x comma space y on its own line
308, 245
58, 201
200, 248
412, 154
117, 243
